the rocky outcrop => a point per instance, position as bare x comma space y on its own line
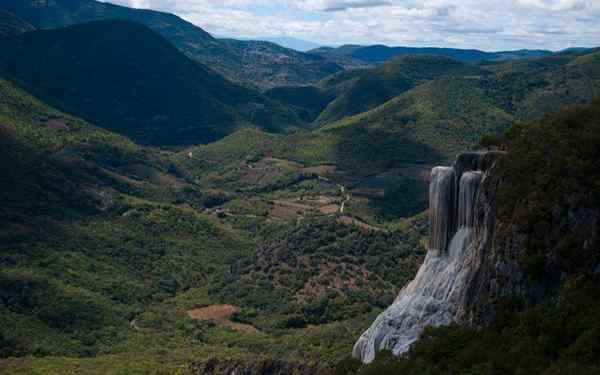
462, 212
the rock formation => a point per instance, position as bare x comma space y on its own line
461, 225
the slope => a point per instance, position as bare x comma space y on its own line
110, 251
257, 63
451, 112
385, 153
268, 65
139, 86
89, 232
375, 87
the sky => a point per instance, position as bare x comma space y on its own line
490, 25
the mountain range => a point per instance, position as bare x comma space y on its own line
259, 63
176, 203
381, 53
287, 42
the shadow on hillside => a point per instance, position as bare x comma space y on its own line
392, 162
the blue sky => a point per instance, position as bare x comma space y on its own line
482, 24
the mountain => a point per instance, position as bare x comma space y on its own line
11, 25
269, 65
450, 112
262, 64
439, 109
310, 101
375, 87
381, 53
138, 85
297, 44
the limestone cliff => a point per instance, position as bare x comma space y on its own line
457, 267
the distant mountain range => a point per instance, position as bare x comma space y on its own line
264, 64
381, 53
297, 44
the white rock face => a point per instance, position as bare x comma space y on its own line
435, 296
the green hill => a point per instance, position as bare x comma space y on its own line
451, 112
75, 201
128, 79
266, 65
377, 86
263, 64
310, 101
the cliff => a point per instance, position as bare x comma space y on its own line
524, 289
460, 266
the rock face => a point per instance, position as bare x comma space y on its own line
462, 226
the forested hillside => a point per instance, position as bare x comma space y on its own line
260, 64
139, 86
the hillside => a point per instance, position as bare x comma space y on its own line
11, 25
377, 86
262, 64
381, 53
450, 113
310, 101
267, 64
385, 153
524, 88
116, 258
139, 86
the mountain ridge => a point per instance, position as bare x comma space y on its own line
142, 86
380, 53
191, 39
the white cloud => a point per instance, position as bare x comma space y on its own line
489, 25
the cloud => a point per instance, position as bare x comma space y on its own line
341, 5
488, 25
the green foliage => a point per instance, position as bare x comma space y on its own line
552, 167
377, 86
492, 141
323, 271
106, 245
120, 84
381, 53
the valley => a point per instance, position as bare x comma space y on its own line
174, 203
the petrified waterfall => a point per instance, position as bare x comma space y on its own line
435, 296
442, 195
